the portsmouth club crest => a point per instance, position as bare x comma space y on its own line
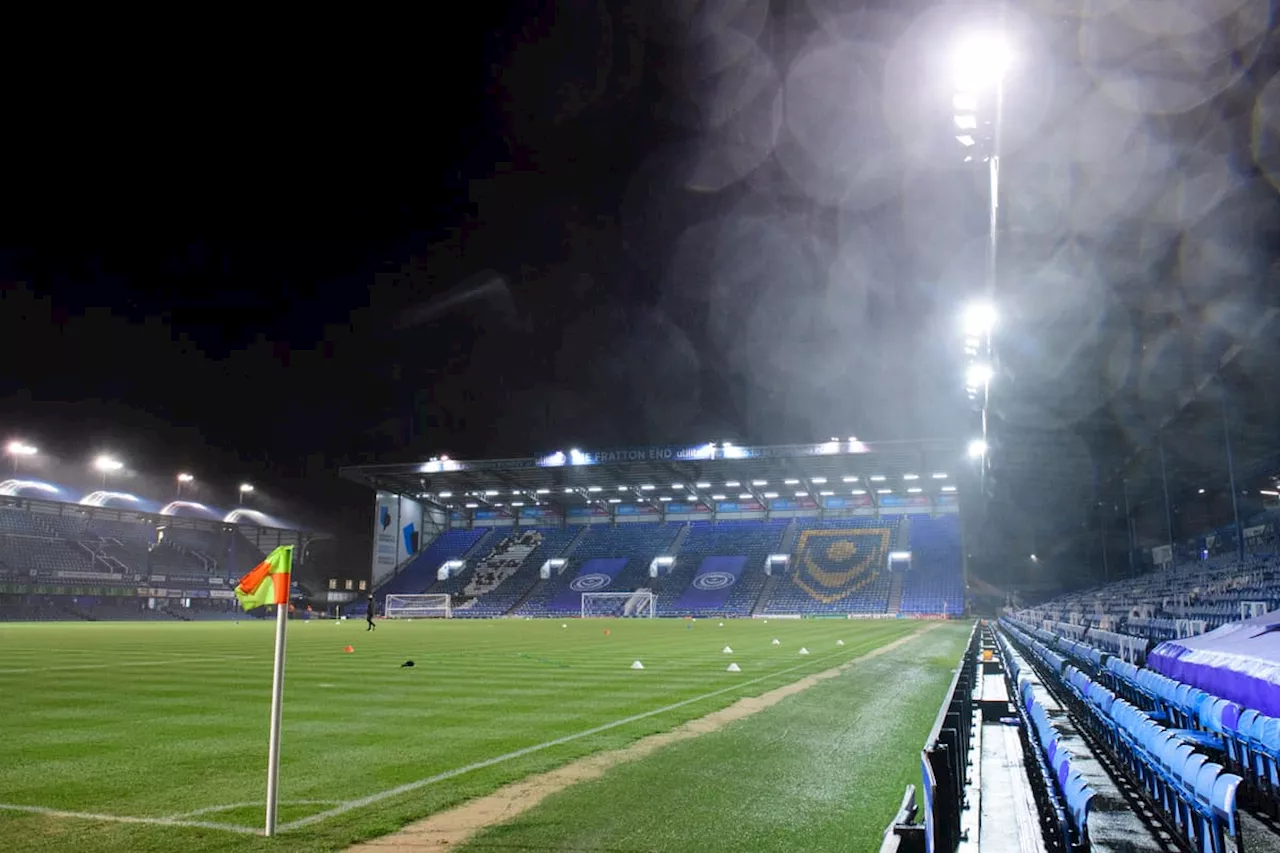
833, 564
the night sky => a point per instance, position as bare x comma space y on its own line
261, 250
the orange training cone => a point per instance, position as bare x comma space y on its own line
349, 649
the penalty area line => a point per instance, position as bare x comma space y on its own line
114, 818
408, 787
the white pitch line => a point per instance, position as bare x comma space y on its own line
113, 818
154, 662
369, 800
229, 806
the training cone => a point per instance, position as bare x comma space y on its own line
637, 665
349, 649
776, 642
606, 632
728, 651
804, 651
564, 624
839, 642
721, 624
733, 667
766, 621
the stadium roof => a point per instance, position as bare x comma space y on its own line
660, 474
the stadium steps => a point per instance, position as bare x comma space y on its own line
895, 594
902, 542
577, 540
788, 541
766, 592
483, 545
678, 542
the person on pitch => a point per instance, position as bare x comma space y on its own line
369, 616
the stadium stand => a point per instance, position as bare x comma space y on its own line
614, 558
1164, 605
691, 591
1208, 763
514, 582
838, 566
420, 573
935, 581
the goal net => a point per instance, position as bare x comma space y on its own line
424, 606
638, 604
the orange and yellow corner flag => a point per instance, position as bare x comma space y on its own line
268, 582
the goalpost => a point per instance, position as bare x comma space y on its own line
423, 606
638, 604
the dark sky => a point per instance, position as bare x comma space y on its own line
226, 262
262, 249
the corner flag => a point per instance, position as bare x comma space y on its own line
267, 582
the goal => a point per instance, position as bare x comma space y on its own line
424, 606
638, 604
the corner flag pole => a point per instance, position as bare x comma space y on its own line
277, 701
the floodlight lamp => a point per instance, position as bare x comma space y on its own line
20, 448
980, 62
186, 478
107, 464
978, 375
979, 319
245, 488
977, 449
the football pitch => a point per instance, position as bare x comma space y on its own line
153, 736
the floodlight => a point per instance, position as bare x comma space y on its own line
849, 479
732, 484
939, 476
915, 490
19, 448
859, 491
977, 449
593, 488
948, 488
884, 491
978, 375
877, 478
615, 500
717, 497
759, 482
702, 485
770, 495
979, 319
745, 496
911, 476
445, 495
186, 478
819, 480
106, 464
980, 62
245, 488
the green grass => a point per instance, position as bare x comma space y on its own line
822, 770
157, 720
